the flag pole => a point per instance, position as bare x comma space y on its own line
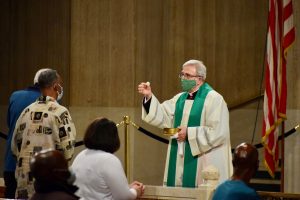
282, 159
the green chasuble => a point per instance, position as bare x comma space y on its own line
190, 162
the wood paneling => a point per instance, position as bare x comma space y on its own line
150, 40
240, 41
293, 65
102, 53
5, 50
36, 35
149, 45
117, 44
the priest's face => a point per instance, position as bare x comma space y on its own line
189, 79
189, 72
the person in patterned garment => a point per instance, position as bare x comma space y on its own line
44, 124
17, 102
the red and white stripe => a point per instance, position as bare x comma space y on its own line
281, 34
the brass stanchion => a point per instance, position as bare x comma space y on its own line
126, 120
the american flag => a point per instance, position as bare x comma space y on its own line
281, 35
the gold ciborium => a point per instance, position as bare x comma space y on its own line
170, 131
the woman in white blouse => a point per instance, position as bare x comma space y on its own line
99, 173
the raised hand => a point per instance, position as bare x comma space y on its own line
145, 89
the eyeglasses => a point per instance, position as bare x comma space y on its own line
187, 76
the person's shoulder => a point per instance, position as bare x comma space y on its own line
178, 95
110, 159
25, 94
223, 184
57, 109
16, 94
213, 94
98, 156
26, 91
61, 108
52, 108
243, 187
82, 153
111, 162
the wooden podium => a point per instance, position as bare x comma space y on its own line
177, 193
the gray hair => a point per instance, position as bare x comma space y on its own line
47, 78
200, 67
37, 75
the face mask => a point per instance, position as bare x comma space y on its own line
60, 95
187, 85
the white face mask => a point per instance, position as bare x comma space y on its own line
60, 95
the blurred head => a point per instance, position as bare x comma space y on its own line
102, 134
37, 75
51, 83
49, 166
245, 161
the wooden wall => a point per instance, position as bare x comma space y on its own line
102, 53
103, 49
117, 44
293, 69
34, 34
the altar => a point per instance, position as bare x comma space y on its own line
175, 193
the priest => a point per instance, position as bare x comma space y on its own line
201, 116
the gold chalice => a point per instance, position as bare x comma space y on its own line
170, 131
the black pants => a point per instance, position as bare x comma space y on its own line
10, 184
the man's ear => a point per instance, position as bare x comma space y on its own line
55, 86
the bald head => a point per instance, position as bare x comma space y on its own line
49, 166
245, 161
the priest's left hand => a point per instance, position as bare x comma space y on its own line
182, 134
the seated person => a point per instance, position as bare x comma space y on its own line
53, 180
245, 164
99, 173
